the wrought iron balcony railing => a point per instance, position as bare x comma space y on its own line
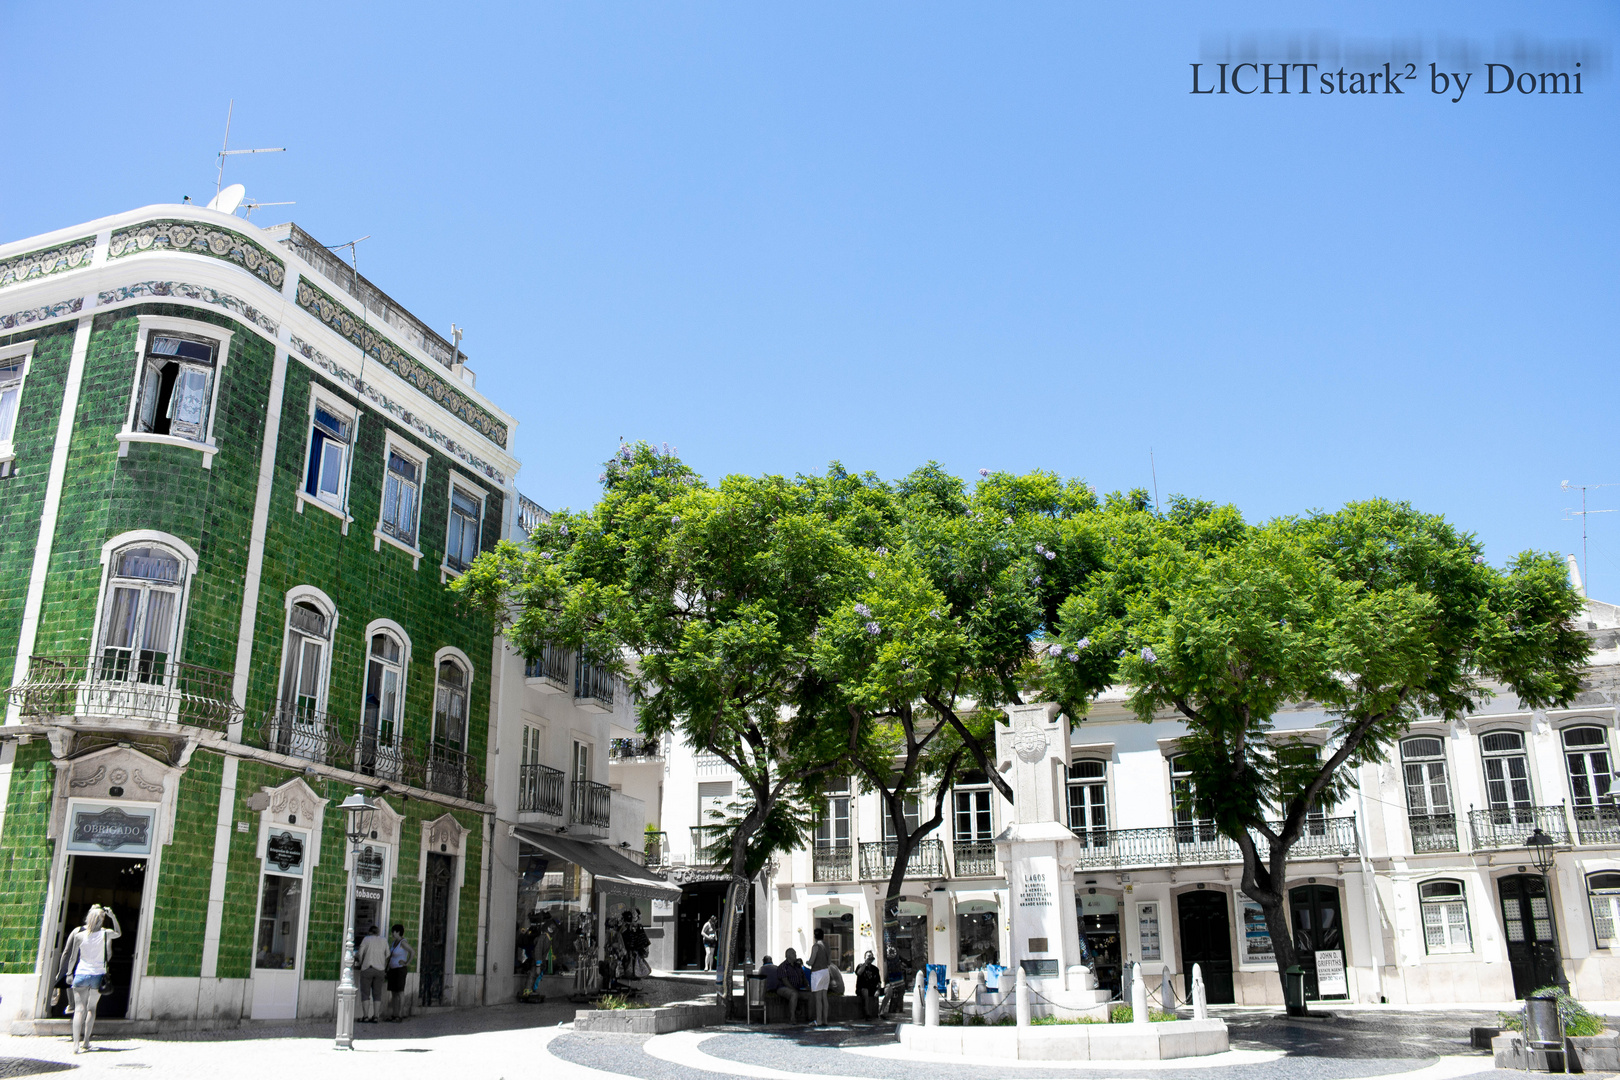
593, 684
125, 684
1599, 824
974, 858
1433, 832
448, 772
1199, 842
656, 849
927, 860
832, 862
637, 749
1511, 826
704, 841
540, 790
554, 665
591, 804
304, 732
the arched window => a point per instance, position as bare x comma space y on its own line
1586, 753
1428, 794
140, 614
450, 706
1604, 891
1445, 917
1507, 772
1088, 802
384, 705
301, 710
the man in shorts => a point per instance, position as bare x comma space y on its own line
371, 958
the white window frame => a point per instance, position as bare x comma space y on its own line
218, 334
8, 353
450, 652
309, 594
1105, 781
394, 444
1594, 799
1611, 900
389, 626
476, 491
1486, 756
1451, 947
329, 403
825, 836
188, 558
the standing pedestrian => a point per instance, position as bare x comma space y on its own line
819, 978
372, 960
84, 968
400, 955
711, 938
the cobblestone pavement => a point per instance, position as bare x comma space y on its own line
509, 1042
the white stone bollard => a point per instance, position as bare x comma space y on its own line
1022, 1004
1139, 1005
1167, 990
930, 1004
1200, 999
918, 989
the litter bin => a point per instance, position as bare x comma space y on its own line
1543, 1030
1294, 990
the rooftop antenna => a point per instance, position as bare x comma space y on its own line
249, 207
225, 150
455, 343
1583, 513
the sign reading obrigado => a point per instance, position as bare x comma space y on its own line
111, 830
286, 850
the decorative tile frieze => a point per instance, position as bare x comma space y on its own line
54, 260
335, 315
198, 239
19, 319
186, 291
395, 409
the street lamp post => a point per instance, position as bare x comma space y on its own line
1543, 852
359, 811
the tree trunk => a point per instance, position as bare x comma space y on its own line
1266, 885
731, 920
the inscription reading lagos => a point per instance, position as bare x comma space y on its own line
1034, 892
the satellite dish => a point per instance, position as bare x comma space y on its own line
228, 200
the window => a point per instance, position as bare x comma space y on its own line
908, 810
1586, 753
531, 745
450, 708
385, 692
1190, 829
329, 438
714, 799
139, 614
1088, 802
833, 828
300, 723
1507, 773
11, 372
461, 548
1604, 891
401, 486
971, 805
1445, 917
175, 390
1428, 795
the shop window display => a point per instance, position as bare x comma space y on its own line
978, 935
553, 917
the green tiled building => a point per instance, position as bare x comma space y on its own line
234, 478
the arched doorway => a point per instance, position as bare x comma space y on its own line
1206, 940
1318, 928
1532, 940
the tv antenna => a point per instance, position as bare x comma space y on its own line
1583, 513
249, 207
225, 150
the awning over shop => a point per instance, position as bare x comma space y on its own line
617, 874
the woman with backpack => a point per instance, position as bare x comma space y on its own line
84, 968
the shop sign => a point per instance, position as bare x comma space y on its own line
368, 892
111, 829
1256, 936
665, 908
369, 863
1098, 904
286, 851
1147, 926
1330, 979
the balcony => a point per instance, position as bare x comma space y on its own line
540, 790
125, 684
1433, 832
448, 772
635, 750
593, 686
1198, 843
1511, 826
974, 858
704, 839
591, 805
832, 862
551, 672
927, 860
656, 850
1597, 824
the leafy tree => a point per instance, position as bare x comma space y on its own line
1378, 612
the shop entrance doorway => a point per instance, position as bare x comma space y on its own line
435, 928
1318, 927
1206, 940
1531, 941
115, 883
1099, 936
700, 900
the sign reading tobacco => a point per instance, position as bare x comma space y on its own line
112, 830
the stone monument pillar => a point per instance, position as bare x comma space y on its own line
1040, 853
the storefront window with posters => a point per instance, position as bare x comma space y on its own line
553, 917
978, 934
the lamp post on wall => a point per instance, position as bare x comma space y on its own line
359, 812
1543, 852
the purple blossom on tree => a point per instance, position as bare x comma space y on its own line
873, 628
563, 529
863, 611
1083, 643
1148, 655
1050, 555
1054, 650
984, 472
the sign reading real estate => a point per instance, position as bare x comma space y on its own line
111, 830
1330, 979
1147, 928
1256, 937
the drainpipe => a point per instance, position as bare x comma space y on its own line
1370, 891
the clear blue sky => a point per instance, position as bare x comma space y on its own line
995, 235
